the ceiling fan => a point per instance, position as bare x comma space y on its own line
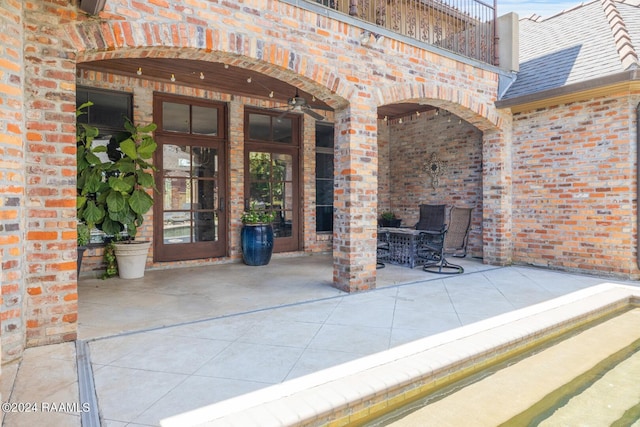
298, 104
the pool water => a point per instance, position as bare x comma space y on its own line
608, 394
587, 379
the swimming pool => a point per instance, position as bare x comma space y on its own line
588, 378
359, 391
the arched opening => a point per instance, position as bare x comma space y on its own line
240, 98
431, 152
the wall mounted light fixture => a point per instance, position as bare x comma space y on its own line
92, 7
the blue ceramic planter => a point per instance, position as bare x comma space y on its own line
257, 243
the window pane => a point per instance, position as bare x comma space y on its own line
287, 202
205, 120
205, 194
108, 110
175, 117
204, 229
176, 160
205, 162
177, 194
324, 218
324, 192
260, 127
259, 166
278, 195
282, 167
324, 165
324, 136
282, 224
260, 194
282, 130
324, 177
176, 227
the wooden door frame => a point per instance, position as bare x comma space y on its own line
161, 252
280, 148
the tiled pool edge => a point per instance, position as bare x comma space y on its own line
353, 391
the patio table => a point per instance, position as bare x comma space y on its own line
403, 245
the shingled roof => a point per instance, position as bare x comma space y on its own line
592, 40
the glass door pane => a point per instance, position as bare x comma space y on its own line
271, 187
190, 194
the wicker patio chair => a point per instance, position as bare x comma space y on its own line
432, 217
455, 243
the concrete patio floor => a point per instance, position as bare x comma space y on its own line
180, 339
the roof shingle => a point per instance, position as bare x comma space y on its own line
577, 45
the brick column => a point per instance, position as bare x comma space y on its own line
236, 176
497, 196
12, 182
50, 301
355, 198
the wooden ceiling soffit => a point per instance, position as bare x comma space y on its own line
205, 75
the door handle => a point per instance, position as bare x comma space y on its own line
221, 204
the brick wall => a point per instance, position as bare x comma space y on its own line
574, 197
12, 180
50, 282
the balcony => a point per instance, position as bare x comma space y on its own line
465, 27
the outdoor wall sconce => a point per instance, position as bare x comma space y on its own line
92, 7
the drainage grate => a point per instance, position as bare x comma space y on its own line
86, 386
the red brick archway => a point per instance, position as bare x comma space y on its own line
324, 58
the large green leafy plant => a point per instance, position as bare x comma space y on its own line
112, 195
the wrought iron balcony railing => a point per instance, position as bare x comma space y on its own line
466, 27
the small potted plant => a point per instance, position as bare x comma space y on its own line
389, 219
256, 236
